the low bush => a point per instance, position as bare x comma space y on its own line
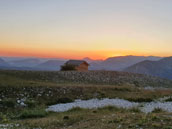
67, 67
136, 110
66, 118
110, 108
169, 99
58, 101
168, 127
8, 103
75, 109
64, 100
140, 99
157, 110
35, 113
31, 103
3, 118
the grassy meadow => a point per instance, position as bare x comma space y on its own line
24, 96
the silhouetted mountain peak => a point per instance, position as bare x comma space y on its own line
161, 68
167, 59
25, 62
51, 64
3, 63
88, 59
1, 60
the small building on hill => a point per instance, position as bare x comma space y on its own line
77, 65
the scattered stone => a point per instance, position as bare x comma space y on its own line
149, 107
121, 103
93, 103
39, 95
23, 104
18, 101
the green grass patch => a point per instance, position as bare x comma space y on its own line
33, 113
157, 110
76, 109
8, 103
169, 99
31, 103
141, 99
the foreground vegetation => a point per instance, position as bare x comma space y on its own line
103, 118
24, 96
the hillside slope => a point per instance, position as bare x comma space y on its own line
90, 77
161, 68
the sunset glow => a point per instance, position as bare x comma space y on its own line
93, 28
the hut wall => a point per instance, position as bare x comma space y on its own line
82, 67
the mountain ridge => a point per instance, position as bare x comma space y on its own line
111, 64
161, 68
121, 62
3, 63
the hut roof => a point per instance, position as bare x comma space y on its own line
76, 62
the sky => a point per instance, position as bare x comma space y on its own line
85, 28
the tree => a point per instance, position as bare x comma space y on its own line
67, 67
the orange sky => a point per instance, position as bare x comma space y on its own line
76, 29
69, 54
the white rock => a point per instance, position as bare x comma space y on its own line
96, 103
93, 103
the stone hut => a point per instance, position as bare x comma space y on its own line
78, 65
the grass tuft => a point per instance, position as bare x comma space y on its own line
34, 113
157, 110
169, 99
109, 108
31, 103
8, 103
75, 109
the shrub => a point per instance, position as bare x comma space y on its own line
58, 100
66, 118
64, 100
35, 113
140, 99
110, 108
169, 99
75, 109
67, 67
8, 103
168, 127
154, 117
136, 110
3, 118
117, 120
30, 103
157, 110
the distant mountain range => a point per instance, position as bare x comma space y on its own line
161, 68
25, 62
112, 63
3, 63
52, 65
120, 63
150, 65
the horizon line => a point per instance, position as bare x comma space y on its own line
6, 56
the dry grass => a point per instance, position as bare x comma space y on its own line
90, 77
46, 88
105, 118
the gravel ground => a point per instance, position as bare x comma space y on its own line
92, 103
96, 103
149, 107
